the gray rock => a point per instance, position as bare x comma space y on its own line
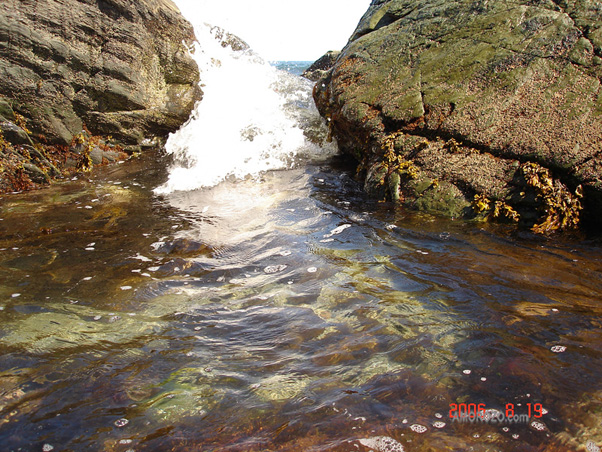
122, 67
14, 134
35, 173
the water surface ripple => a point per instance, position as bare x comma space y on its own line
286, 313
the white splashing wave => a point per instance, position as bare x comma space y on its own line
251, 118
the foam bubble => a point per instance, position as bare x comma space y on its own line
418, 428
121, 422
382, 444
274, 269
558, 349
539, 426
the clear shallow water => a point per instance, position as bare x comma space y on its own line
284, 313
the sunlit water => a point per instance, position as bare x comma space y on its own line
281, 310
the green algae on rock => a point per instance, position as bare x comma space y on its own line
509, 83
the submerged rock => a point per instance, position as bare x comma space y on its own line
479, 95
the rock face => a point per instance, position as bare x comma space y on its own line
319, 68
119, 67
469, 107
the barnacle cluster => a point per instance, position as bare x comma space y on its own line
560, 208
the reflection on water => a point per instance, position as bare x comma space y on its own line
287, 313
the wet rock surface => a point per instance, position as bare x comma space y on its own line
474, 94
322, 65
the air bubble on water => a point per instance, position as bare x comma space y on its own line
312, 270
88, 207
137, 270
2, 308
483, 378
539, 426
592, 447
327, 241
390, 227
467, 372
15, 295
476, 435
121, 422
382, 444
558, 349
438, 415
153, 269
337, 230
516, 436
405, 421
422, 252
554, 310
97, 317
418, 428
89, 248
505, 429
439, 424
125, 441
73, 301
126, 287
147, 275
270, 269
87, 278
47, 447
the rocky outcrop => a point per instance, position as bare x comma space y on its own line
321, 66
121, 67
469, 107
118, 68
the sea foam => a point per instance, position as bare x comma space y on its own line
252, 118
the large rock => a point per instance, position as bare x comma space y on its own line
451, 99
119, 67
322, 65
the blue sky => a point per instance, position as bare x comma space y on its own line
282, 30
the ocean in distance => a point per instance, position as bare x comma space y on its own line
294, 67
